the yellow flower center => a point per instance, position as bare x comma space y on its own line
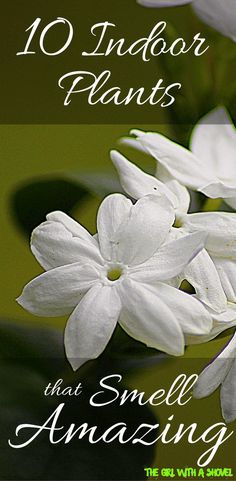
178, 222
114, 274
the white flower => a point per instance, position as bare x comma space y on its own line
221, 372
219, 14
120, 275
215, 266
221, 322
209, 166
213, 141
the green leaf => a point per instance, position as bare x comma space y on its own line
32, 201
42, 346
32, 357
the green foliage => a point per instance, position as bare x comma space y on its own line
33, 200
30, 359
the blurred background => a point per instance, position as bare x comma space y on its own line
67, 167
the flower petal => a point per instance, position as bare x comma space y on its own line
216, 189
221, 322
161, 173
113, 212
213, 140
71, 225
91, 325
137, 183
184, 166
211, 377
220, 228
147, 228
148, 319
227, 272
215, 373
228, 395
229, 315
203, 276
54, 245
132, 233
181, 194
231, 201
219, 15
170, 260
163, 3
58, 291
229, 352
189, 312
216, 330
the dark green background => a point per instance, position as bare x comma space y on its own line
46, 152
29, 90
29, 95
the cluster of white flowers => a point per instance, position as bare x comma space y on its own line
131, 271
208, 167
219, 14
